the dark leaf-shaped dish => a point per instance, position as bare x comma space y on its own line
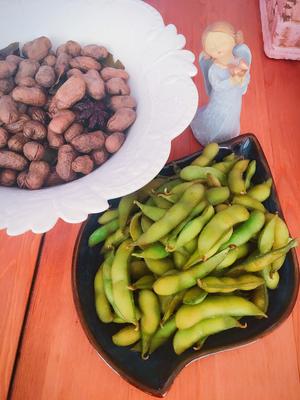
156, 374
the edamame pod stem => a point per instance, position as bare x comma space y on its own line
171, 284
236, 182
249, 173
200, 343
102, 306
159, 267
271, 278
281, 238
218, 225
172, 306
208, 154
195, 295
258, 262
177, 213
213, 284
123, 297
125, 206
149, 306
266, 237
168, 186
193, 228
145, 282
215, 306
261, 298
174, 195
126, 336
155, 251
247, 229
135, 229
193, 172
137, 269
162, 335
261, 191
185, 338
248, 202
100, 234
217, 195
152, 212
108, 216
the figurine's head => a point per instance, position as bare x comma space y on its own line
219, 39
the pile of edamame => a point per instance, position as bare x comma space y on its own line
187, 256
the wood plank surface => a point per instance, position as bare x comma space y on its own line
18, 256
58, 363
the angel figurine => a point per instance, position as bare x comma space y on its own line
225, 64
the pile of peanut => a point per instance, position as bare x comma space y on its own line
42, 142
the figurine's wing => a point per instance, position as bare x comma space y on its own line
205, 64
243, 51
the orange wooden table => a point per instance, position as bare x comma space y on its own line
44, 354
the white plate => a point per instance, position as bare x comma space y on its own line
160, 80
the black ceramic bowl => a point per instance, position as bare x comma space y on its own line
156, 374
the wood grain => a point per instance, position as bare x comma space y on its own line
18, 256
57, 362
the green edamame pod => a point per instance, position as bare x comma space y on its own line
226, 165
145, 223
258, 262
171, 284
162, 335
236, 182
102, 306
213, 181
249, 173
179, 259
176, 214
164, 302
193, 172
108, 216
217, 195
248, 202
186, 338
192, 260
123, 297
155, 251
174, 195
221, 207
213, 284
152, 212
215, 306
107, 282
159, 267
261, 298
194, 227
233, 255
218, 225
271, 278
172, 306
150, 309
247, 229
281, 238
137, 269
224, 238
195, 295
135, 229
261, 191
115, 239
100, 234
125, 206
145, 282
208, 154
266, 236
126, 336
161, 202
191, 246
